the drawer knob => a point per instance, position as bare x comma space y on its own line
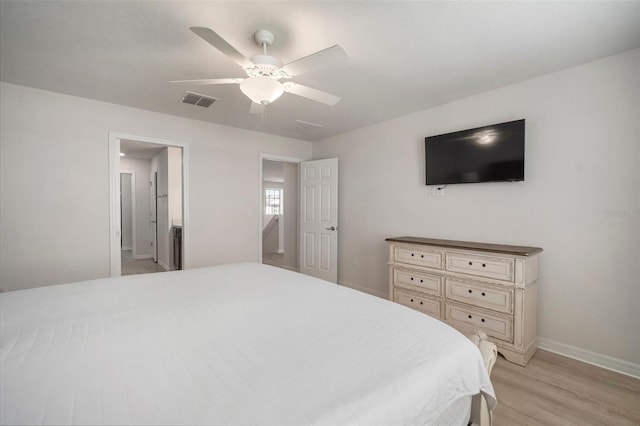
470, 263
411, 278
412, 254
422, 255
482, 319
470, 317
470, 291
411, 300
421, 281
483, 293
421, 303
484, 265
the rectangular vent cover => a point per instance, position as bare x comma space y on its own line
308, 123
198, 99
300, 125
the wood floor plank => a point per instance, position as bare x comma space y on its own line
555, 390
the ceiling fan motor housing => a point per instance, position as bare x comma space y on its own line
263, 37
265, 66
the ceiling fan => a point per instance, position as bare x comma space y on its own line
264, 71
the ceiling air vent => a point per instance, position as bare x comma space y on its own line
198, 99
302, 125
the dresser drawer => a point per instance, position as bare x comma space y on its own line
420, 281
494, 324
499, 268
418, 256
427, 305
478, 294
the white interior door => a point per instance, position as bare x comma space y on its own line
319, 219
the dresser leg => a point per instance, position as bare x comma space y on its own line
518, 357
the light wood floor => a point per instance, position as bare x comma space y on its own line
554, 390
131, 266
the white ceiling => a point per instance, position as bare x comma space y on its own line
404, 56
140, 150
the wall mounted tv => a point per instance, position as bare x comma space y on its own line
485, 154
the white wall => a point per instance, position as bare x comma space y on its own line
54, 185
271, 238
174, 159
142, 169
290, 199
126, 206
580, 201
174, 187
160, 165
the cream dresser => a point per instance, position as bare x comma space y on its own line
471, 286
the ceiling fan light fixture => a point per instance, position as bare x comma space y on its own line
264, 70
261, 90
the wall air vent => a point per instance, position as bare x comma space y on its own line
198, 99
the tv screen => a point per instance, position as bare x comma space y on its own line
485, 154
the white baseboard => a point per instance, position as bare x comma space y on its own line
125, 248
280, 251
364, 290
142, 256
164, 265
599, 360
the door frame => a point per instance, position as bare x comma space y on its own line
133, 210
114, 196
272, 157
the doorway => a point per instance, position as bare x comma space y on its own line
279, 212
132, 261
315, 209
149, 208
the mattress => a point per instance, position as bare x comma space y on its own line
239, 344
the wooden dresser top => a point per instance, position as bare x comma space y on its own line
468, 245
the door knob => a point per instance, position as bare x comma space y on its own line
333, 228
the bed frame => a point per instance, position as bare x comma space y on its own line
480, 413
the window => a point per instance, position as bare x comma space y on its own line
273, 201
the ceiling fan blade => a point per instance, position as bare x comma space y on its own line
310, 93
256, 108
322, 59
209, 81
211, 37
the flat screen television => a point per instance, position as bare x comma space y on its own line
485, 154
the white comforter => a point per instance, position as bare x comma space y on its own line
228, 345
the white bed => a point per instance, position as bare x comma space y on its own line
240, 344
